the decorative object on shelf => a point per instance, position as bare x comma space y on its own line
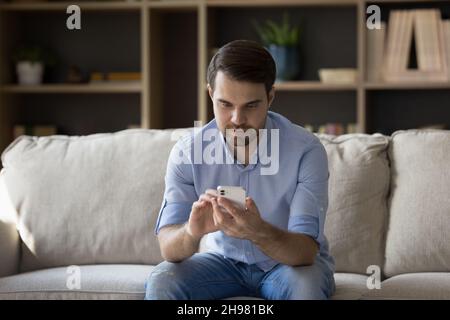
30, 130
101, 77
338, 75
27, 1
332, 128
97, 77
352, 128
282, 41
30, 64
309, 127
75, 75
29, 73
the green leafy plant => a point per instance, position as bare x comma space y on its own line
282, 34
34, 54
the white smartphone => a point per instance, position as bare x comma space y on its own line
236, 194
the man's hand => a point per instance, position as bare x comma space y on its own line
235, 221
201, 219
293, 249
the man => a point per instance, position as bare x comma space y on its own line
274, 248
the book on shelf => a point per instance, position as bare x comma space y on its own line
332, 128
431, 36
375, 49
102, 77
134, 126
30, 130
446, 36
436, 126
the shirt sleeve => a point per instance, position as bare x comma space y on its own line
179, 193
310, 202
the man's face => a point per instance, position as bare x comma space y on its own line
239, 105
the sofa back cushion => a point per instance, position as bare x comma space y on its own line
418, 237
95, 199
357, 210
88, 199
9, 237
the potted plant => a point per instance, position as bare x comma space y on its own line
30, 64
282, 41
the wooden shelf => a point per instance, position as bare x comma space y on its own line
267, 3
174, 4
75, 88
88, 5
400, 1
312, 86
407, 86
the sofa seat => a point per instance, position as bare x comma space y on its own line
420, 286
119, 281
112, 281
349, 286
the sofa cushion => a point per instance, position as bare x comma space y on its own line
418, 286
96, 282
349, 286
358, 187
88, 199
418, 238
9, 237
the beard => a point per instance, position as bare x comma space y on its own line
241, 136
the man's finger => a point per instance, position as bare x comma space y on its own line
250, 204
220, 216
205, 197
211, 192
229, 206
195, 204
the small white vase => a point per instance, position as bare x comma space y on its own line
29, 73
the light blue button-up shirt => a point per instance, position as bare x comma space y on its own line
294, 198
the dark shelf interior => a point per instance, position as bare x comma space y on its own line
316, 108
179, 68
391, 110
327, 37
107, 41
80, 114
313, 108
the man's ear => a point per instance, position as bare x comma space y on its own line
210, 91
271, 96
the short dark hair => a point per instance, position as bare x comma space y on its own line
243, 60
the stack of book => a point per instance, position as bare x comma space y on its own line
389, 48
30, 130
101, 77
332, 128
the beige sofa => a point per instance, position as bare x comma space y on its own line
92, 201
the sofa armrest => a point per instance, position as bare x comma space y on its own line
9, 237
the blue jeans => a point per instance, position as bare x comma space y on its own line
206, 276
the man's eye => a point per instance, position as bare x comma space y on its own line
253, 105
225, 104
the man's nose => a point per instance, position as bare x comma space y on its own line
238, 118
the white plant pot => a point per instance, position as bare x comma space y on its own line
30, 73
